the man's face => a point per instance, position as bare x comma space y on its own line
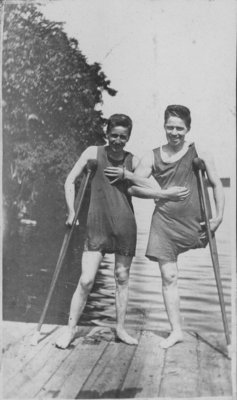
176, 131
117, 138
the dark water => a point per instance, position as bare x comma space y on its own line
30, 256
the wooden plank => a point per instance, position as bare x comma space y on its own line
109, 373
13, 332
94, 368
21, 352
214, 366
33, 374
74, 370
145, 372
180, 377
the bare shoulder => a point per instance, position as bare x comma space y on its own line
145, 165
148, 159
135, 162
90, 152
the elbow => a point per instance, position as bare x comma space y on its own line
217, 186
131, 190
68, 183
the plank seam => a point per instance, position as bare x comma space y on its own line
92, 369
162, 373
29, 379
129, 364
53, 373
30, 359
14, 343
198, 362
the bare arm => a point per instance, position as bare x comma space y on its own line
120, 173
89, 153
146, 187
218, 192
143, 185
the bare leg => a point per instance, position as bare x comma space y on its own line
122, 267
90, 264
169, 274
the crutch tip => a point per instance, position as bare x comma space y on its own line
35, 339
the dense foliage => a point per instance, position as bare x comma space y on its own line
50, 102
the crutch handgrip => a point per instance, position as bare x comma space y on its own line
91, 165
198, 163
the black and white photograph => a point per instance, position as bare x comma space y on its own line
118, 216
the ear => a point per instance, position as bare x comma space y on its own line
128, 136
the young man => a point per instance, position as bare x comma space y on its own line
177, 223
111, 226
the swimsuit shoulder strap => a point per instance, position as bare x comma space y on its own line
156, 159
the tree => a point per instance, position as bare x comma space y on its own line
50, 99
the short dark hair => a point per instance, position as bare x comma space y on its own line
119, 120
180, 112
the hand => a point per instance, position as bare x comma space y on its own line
176, 193
70, 219
214, 223
203, 233
116, 173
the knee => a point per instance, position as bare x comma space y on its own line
86, 283
169, 279
169, 276
121, 274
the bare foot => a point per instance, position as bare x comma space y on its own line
66, 338
174, 337
125, 337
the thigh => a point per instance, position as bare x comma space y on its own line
90, 263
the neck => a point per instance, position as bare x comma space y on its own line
176, 149
116, 155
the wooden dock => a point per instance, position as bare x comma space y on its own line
98, 366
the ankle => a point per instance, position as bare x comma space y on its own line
72, 328
177, 331
120, 328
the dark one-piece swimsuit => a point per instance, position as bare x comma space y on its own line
111, 226
175, 226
